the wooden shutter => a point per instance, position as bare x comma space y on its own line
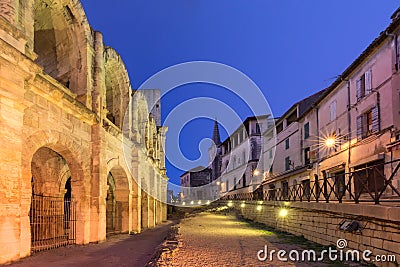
375, 119
359, 96
359, 127
368, 82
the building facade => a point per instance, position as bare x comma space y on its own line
240, 169
81, 154
195, 185
345, 145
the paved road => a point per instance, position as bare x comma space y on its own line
212, 239
120, 250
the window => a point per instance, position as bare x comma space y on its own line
270, 153
234, 183
306, 188
287, 163
368, 123
340, 183
258, 131
332, 111
244, 180
279, 128
307, 156
287, 143
364, 85
369, 178
306, 130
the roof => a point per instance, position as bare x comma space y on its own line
248, 119
366, 53
304, 105
196, 169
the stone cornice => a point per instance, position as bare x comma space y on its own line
54, 92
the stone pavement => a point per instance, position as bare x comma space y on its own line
212, 239
119, 250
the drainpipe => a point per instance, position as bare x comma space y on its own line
349, 125
317, 119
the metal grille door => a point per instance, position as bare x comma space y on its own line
53, 222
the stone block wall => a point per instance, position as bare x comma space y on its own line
319, 222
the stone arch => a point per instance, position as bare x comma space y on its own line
72, 153
117, 86
118, 200
60, 37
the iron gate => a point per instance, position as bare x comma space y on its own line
53, 222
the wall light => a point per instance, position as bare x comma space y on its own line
191, 202
242, 205
259, 208
283, 213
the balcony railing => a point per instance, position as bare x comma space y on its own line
369, 184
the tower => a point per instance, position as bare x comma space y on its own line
215, 153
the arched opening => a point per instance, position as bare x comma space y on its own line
110, 205
117, 87
52, 211
118, 207
55, 42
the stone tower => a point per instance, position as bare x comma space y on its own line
215, 153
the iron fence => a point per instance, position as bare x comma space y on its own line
364, 184
53, 222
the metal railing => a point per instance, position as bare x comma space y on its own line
368, 184
53, 222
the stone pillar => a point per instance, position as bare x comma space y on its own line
14, 198
15, 181
145, 210
122, 210
151, 212
98, 191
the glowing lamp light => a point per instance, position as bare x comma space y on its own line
208, 202
199, 202
230, 204
183, 203
191, 202
330, 142
283, 213
259, 208
218, 183
256, 172
242, 205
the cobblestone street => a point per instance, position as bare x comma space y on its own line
216, 239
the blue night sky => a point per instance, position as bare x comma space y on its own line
289, 48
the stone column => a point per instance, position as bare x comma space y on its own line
145, 210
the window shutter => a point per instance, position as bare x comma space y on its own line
359, 90
375, 119
368, 82
359, 127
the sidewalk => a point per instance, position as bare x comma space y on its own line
119, 250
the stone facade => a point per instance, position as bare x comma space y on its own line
319, 222
63, 128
